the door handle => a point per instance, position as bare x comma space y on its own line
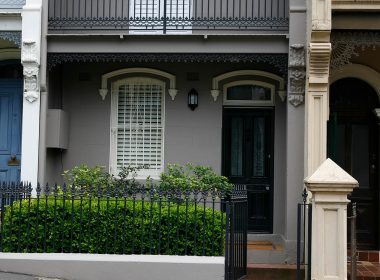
13, 161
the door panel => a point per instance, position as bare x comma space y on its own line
10, 129
248, 160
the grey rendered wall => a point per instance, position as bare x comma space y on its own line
190, 136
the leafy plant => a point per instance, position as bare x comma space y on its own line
83, 175
87, 178
193, 177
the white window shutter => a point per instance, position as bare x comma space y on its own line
140, 124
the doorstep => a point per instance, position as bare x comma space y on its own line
272, 271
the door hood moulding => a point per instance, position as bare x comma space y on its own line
277, 61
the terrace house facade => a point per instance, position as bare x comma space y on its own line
112, 82
342, 104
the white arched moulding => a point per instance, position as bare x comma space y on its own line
215, 91
358, 71
172, 91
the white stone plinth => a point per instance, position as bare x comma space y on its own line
329, 186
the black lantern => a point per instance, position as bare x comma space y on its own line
192, 99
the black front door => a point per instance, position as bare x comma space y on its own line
353, 144
248, 160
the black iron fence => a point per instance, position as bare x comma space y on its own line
304, 226
236, 234
126, 220
169, 15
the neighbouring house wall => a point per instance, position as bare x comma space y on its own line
190, 136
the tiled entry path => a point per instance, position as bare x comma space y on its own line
368, 266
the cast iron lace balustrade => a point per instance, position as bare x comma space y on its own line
168, 16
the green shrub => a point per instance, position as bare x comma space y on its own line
193, 177
187, 177
108, 227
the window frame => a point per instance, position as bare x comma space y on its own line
252, 103
144, 173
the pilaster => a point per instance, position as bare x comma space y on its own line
30, 59
317, 86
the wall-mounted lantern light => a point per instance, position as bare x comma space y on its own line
192, 99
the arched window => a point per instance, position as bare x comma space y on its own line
137, 125
248, 93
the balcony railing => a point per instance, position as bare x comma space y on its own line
168, 16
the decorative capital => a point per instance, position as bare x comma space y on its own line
103, 93
215, 93
296, 99
173, 93
319, 63
31, 96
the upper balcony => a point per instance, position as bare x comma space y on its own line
168, 16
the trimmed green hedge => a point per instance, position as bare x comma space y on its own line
109, 227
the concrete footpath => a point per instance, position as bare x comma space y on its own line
15, 276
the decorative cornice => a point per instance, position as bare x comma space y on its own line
346, 44
11, 36
278, 61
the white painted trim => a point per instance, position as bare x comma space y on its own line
253, 103
358, 71
235, 74
143, 72
142, 174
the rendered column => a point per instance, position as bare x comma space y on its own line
330, 185
30, 59
295, 120
317, 86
